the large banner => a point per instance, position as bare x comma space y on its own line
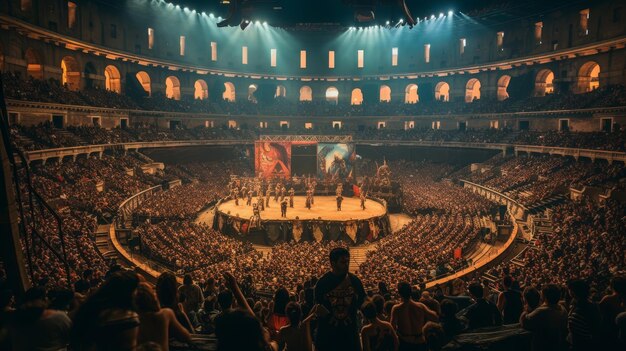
272, 159
335, 161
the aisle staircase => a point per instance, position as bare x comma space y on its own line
358, 255
103, 242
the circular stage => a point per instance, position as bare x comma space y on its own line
322, 222
324, 207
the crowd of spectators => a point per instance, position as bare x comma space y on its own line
533, 179
45, 136
30, 89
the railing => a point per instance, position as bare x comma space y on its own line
576, 153
493, 255
13, 104
520, 210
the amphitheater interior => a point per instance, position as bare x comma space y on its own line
174, 175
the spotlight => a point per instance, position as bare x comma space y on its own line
440, 14
211, 15
186, 8
432, 16
178, 6
450, 13
387, 23
265, 23
257, 22
401, 20
244, 24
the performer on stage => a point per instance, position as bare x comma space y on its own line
260, 203
283, 208
249, 200
307, 203
291, 194
268, 195
282, 193
236, 197
276, 192
339, 200
363, 198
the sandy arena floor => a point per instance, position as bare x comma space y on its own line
325, 207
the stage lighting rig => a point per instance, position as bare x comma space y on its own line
242, 12
365, 10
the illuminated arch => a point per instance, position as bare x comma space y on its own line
34, 64
332, 95
201, 90
385, 93
172, 88
544, 82
472, 90
411, 95
145, 81
306, 93
356, 97
281, 91
442, 92
112, 79
229, 92
252, 88
503, 84
70, 73
588, 77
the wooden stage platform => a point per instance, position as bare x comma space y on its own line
324, 207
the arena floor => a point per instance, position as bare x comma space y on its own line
324, 207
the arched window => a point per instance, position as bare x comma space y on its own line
503, 84
281, 91
201, 90
411, 95
332, 95
306, 94
34, 66
385, 93
472, 90
544, 82
172, 88
357, 97
588, 77
442, 92
251, 89
144, 80
229, 92
70, 75
112, 80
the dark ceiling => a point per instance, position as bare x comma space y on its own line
288, 13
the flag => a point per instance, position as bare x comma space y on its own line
457, 253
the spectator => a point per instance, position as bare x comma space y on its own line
107, 320
610, 307
339, 294
193, 296
167, 292
548, 322
509, 302
157, 324
408, 318
296, 335
377, 335
583, 321
37, 327
482, 313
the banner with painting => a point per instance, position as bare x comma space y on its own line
335, 162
